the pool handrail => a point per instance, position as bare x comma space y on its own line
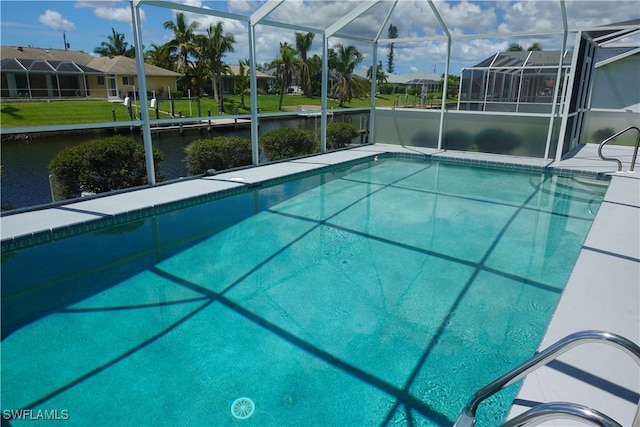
468, 417
635, 151
561, 410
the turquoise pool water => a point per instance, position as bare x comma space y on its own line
381, 293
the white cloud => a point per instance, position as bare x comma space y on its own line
241, 6
469, 16
547, 15
110, 10
54, 20
90, 4
314, 14
120, 14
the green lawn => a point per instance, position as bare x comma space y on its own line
62, 112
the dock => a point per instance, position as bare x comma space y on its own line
203, 124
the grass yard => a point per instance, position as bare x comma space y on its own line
63, 112
43, 113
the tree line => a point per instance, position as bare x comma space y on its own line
200, 58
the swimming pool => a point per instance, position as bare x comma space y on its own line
383, 292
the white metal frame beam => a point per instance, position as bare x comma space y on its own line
443, 106
349, 17
256, 18
556, 89
374, 72
263, 11
193, 9
142, 86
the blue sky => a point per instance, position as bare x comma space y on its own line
88, 23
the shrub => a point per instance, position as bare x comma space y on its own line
340, 134
458, 140
221, 152
285, 143
385, 89
101, 165
499, 141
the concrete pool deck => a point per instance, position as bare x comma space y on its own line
603, 291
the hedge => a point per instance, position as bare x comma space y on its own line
285, 143
102, 165
219, 153
340, 134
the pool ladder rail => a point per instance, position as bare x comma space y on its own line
556, 410
635, 151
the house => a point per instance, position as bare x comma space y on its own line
120, 77
401, 83
30, 73
229, 82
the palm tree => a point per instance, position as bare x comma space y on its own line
160, 56
381, 77
315, 75
217, 45
200, 70
241, 80
285, 64
182, 42
303, 44
115, 46
346, 87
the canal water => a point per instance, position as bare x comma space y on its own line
25, 175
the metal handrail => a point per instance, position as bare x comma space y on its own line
468, 417
561, 410
635, 151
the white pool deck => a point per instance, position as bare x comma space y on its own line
603, 291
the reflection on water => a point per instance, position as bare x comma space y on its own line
25, 173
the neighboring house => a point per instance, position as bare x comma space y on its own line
121, 77
229, 83
274, 83
28, 72
428, 82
